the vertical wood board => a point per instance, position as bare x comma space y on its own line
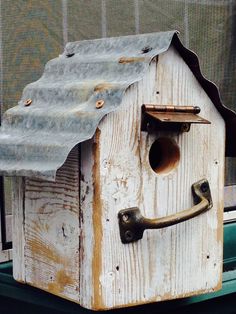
87, 240
18, 225
181, 260
52, 231
67, 236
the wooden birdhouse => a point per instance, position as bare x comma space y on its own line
117, 158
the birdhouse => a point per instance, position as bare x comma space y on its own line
117, 158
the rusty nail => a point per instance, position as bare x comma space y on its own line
28, 102
185, 127
99, 104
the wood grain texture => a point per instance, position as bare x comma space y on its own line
91, 226
52, 231
18, 225
70, 245
174, 262
5, 255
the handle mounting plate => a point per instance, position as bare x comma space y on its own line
132, 224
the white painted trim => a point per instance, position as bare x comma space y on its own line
230, 196
230, 216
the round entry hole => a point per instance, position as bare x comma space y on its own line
164, 155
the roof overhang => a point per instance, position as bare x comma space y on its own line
37, 136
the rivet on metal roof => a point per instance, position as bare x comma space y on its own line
146, 49
70, 55
28, 102
99, 104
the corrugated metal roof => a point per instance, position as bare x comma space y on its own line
35, 140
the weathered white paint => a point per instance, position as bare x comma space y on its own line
74, 250
18, 236
87, 227
230, 216
5, 255
173, 262
51, 230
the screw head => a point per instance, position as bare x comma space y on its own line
185, 127
99, 103
204, 187
129, 235
150, 127
28, 102
125, 217
146, 49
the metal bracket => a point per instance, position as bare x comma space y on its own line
169, 117
132, 224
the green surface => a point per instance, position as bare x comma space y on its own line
230, 246
35, 299
32, 297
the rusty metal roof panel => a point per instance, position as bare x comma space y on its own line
36, 137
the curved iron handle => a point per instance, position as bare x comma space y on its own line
132, 224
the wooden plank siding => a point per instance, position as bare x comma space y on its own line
71, 245
174, 262
46, 255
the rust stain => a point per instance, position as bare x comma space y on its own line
47, 227
63, 296
131, 60
220, 211
219, 284
97, 227
49, 254
40, 248
37, 227
103, 86
61, 281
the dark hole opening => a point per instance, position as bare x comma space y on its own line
164, 155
